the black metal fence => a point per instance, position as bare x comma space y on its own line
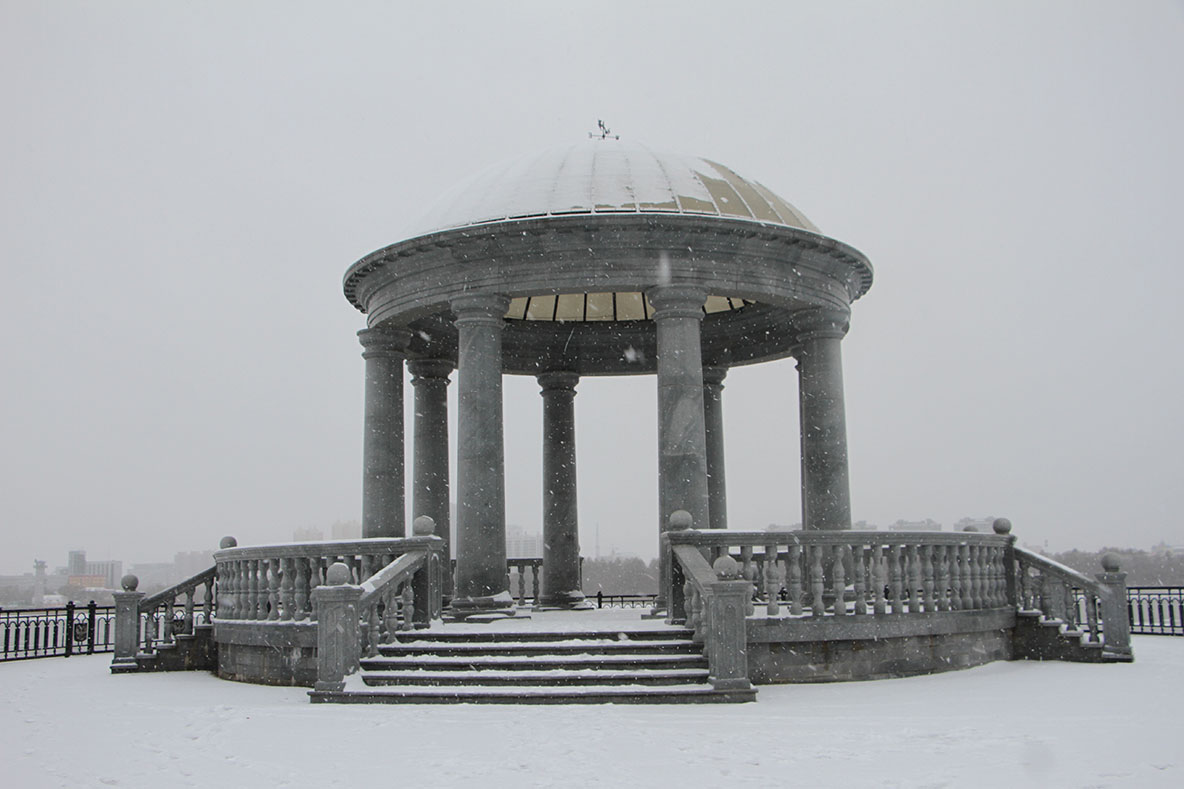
56, 632
1156, 610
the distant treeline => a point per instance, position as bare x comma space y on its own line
1142, 568
620, 575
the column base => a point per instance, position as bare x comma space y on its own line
487, 608
566, 601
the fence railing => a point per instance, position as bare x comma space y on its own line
1156, 610
56, 632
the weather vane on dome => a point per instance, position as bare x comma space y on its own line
605, 133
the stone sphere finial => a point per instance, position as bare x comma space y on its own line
1002, 526
228, 542
129, 582
1110, 562
337, 575
726, 568
681, 519
423, 526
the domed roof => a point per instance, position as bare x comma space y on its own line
605, 176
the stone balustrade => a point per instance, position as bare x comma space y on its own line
275, 582
521, 573
1060, 594
849, 573
145, 624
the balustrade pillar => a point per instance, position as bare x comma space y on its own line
127, 622
682, 441
826, 487
382, 453
431, 486
561, 537
480, 478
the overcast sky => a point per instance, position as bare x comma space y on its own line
183, 186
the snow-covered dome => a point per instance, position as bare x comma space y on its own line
605, 176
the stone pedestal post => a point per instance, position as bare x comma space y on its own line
826, 488
561, 538
480, 477
127, 622
713, 420
431, 484
1116, 621
338, 640
682, 441
382, 454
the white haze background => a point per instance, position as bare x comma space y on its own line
183, 186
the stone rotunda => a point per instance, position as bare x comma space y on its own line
600, 258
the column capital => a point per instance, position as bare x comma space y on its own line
677, 301
384, 341
714, 376
820, 323
558, 380
480, 308
429, 369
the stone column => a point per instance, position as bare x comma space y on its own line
431, 484
826, 488
480, 478
682, 441
561, 538
713, 421
382, 454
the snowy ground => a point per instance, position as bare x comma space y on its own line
68, 723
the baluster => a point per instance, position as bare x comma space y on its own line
955, 565
1091, 616
209, 594
242, 583
816, 582
373, 629
408, 605
697, 608
521, 570
940, 578
967, 577
252, 572
187, 618
747, 568
914, 578
879, 578
367, 565
927, 577
272, 576
390, 613
984, 575
170, 605
287, 590
688, 592
795, 579
895, 579
151, 622
772, 578
534, 573
300, 596
839, 577
857, 569
226, 603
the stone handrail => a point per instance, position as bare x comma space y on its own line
359, 606
144, 624
856, 573
713, 601
1059, 594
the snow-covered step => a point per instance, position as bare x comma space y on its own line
687, 694
515, 663
468, 637
495, 678
531, 648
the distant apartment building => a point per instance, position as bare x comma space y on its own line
523, 545
92, 575
308, 534
986, 524
926, 525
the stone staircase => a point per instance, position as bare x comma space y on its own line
587, 667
